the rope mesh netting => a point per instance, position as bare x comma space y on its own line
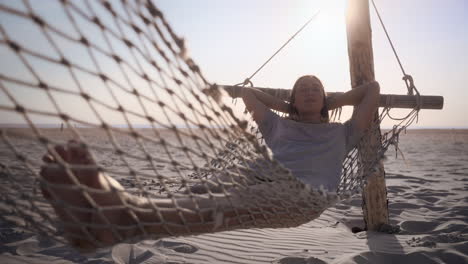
193, 164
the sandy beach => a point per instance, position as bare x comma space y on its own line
427, 193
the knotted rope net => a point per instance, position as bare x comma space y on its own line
116, 79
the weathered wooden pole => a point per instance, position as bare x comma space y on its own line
361, 64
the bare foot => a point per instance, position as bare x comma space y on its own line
76, 189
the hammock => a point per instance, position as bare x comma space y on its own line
105, 64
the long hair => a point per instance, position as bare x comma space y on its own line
292, 111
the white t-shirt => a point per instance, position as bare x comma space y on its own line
314, 153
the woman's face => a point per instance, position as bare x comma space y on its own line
309, 96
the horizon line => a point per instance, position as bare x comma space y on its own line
55, 125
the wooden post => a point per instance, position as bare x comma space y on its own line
361, 64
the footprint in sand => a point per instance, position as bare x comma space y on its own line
431, 241
429, 199
418, 226
136, 254
158, 252
301, 258
177, 246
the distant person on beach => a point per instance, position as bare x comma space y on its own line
305, 142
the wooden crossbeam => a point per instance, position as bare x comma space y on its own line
386, 100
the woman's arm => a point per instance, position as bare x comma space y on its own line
267, 99
257, 103
365, 98
270, 101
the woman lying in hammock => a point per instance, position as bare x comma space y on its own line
305, 142
96, 211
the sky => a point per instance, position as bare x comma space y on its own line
229, 40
